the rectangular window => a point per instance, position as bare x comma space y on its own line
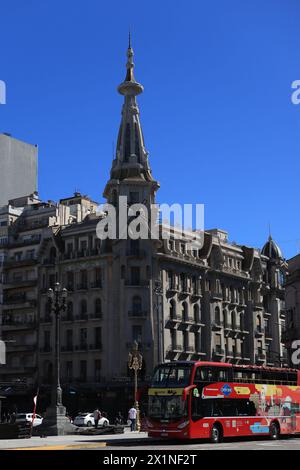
83, 371
97, 370
137, 333
135, 276
98, 337
83, 337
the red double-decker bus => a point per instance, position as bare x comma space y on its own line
192, 400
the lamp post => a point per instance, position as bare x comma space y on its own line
55, 422
158, 290
135, 363
57, 304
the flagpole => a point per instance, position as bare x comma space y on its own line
34, 410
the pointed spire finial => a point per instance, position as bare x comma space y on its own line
129, 39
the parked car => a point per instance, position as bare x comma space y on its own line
87, 419
27, 418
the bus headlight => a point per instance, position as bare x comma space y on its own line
182, 425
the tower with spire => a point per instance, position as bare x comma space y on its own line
134, 266
131, 162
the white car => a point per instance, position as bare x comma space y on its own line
87, 419
27, 418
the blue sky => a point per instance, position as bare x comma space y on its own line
216, 112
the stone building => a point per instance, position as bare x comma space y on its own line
223, 302
292, 301
18, 168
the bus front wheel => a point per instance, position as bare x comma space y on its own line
216, 434
274, 431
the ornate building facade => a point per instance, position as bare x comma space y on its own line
223, 302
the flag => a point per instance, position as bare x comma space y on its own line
34, 408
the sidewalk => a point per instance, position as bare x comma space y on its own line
70, 442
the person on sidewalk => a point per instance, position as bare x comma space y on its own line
97, 417
132, 416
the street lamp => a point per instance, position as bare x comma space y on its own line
55, 422
57, 304
158, 290
135, 363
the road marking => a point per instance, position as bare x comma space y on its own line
63, 447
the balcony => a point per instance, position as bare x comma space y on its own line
67, 318
96, 316
172, 287
82, 317
174, 318
258, 332
95, 347
10, 324
175, 348
20, 301
9, 263
81, 347
13, 284
82, 286
260, 357
216, 325
187, 319
96, 284
229, 354
188, 349
137, 314
219, 352
215, 295
257, 305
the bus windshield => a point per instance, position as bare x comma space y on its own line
172, 376
167, 408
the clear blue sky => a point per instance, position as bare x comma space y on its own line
216, 112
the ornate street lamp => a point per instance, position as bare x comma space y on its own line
135, 363
57, 304
55, 422
158, 290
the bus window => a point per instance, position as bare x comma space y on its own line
225, 407
245, 407
201, 408
212, 374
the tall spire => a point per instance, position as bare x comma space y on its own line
131, 158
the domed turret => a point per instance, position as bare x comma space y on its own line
271, 249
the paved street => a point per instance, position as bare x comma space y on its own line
140, 441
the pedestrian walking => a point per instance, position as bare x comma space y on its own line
97, 417
132, 416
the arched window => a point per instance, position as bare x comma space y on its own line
225, 317
258, 323
136, 304
242, 320
184, 311
196, 313
70, 310
233, 320
83, 307
98, 306
217, 316
172, 309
